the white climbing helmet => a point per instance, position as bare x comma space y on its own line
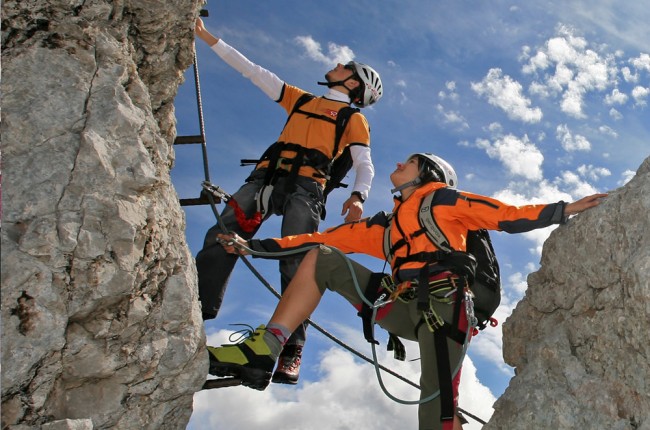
442, 170
371, 89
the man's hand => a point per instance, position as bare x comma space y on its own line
232, 243
203, 34
583, 204
354, 209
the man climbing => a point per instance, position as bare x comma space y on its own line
429, 289
291, 176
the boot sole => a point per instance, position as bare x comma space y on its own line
257, 379
279, 378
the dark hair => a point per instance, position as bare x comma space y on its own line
429, 171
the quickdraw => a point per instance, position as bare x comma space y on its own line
247, 224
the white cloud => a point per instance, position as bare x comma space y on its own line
577, 187
628, 76
518, 284
519, 156
495, 127
616, 97
642, 62
506, 94
539, 89
640, 94
452, 117
615, 114
575, 70
608, 131
473, 396
335, 53
569, 141
626, 177
593, 173
449, 92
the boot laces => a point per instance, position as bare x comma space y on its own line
243, 334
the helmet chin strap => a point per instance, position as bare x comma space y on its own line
329, 84
414, 182
333, 84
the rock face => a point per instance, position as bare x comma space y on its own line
579, 339
101, 326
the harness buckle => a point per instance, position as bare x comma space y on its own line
263, 198
282, 161
469, 308
433, 320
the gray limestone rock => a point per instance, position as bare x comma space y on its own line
101, 326
579, 338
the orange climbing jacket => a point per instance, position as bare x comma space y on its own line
455, 212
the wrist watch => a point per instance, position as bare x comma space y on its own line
359, 196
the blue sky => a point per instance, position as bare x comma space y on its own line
529, 101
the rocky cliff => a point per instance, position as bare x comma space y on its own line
101, 325
579, 338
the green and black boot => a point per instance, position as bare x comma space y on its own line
252, 360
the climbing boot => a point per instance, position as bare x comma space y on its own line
250, 360
288, 369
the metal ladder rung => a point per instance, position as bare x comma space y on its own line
202, 200
184, 140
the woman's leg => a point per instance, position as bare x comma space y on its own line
301, 297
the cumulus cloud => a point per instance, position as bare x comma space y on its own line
449, 92
615, 97
569, 68
335, 53
626, 177
569, 141
518, 155
640, 94
506, 94
642, 62
628, 76
593, 173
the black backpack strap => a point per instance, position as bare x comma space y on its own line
296, 162
342, 118
444, 375
396, 345
371, 293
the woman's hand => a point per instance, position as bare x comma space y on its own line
583, 204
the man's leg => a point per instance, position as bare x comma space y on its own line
301, 214
214, 265
253, 360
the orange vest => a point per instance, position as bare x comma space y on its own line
315, 133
